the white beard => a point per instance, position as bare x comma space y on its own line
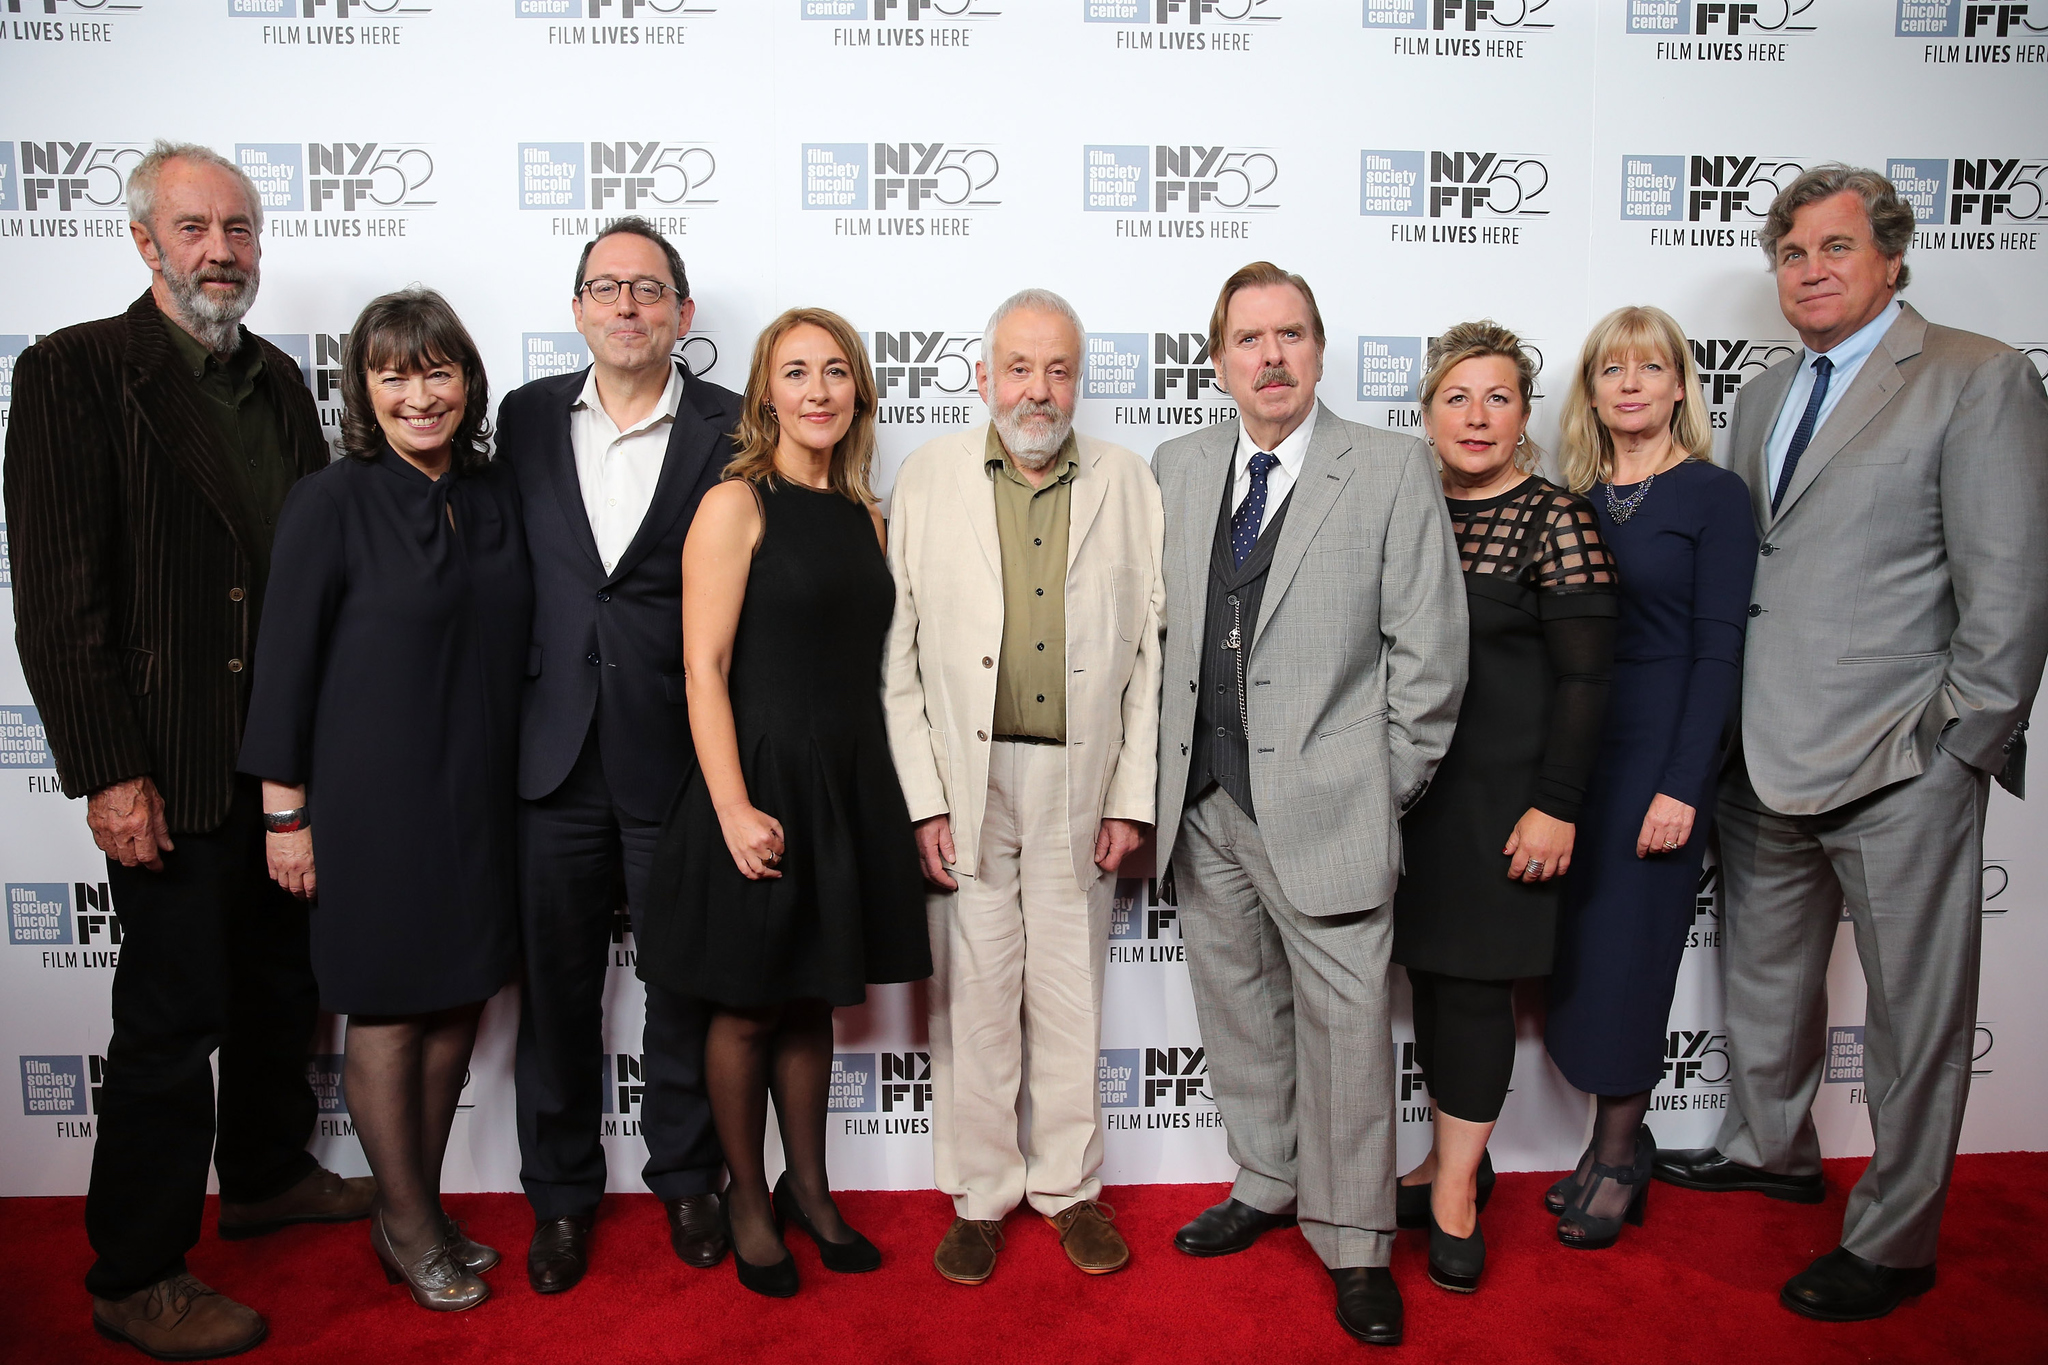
215, 321
1032, 445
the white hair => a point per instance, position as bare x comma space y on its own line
142, 180
1036, 301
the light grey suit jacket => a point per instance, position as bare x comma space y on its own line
1355, 667
1901, 599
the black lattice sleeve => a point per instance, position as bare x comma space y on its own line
1578, 593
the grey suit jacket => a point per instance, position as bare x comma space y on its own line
1355, 667
1900, 597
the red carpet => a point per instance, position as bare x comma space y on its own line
1698, 1283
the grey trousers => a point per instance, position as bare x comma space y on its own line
1908, 860
1293, 1012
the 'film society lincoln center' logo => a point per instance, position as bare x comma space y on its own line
1983, 203
339, 189
1172, 27
911, 189
881, 1093
1461, 28
1186, 191
1156, 1087
1464, 197
1726, 196
616, 177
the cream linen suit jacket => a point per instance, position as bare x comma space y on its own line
947, 637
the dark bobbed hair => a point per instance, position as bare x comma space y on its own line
410, 330
635, 226
1891, 217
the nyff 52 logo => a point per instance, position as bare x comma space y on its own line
1967, 19
626, 177
1694, 189
41, 914
1985, 191
1469, 16
917, 365
913, 176
338, 177
67, 177
1404, 184
1727, 18
1188, 178
1148, 365
1195, 12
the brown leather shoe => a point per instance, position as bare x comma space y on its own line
558, 1254
322, 1197
1091, 1242
179, 1319
967, 1253
696, 1229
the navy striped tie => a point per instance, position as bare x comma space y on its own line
1803, 433
1244, 522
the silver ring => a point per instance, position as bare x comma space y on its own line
1670, 843
1535, 868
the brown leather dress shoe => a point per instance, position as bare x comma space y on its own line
1089, 1238
559, 1254
179, 1319
322, 1197
967, 1253
696, 1229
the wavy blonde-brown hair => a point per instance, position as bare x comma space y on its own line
1476, 341
1636, 332
760, 431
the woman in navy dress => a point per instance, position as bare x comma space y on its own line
385, 724
1637, 441
786, 878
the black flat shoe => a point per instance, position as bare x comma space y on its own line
1582, 1230
776, 1281
1411, 1202
1228, 1227
847, 1258
1369, 1304
1843, 1287
1455, 1262
1704, 1168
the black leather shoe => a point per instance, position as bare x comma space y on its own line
696, 1229
1227, 1227
1411, 1202
558, 1254
1704, 1168
1456, 1262
1843, 1287
1369, 1304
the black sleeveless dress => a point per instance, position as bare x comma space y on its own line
1540, 585
806, 686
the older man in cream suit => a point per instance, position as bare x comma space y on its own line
1023, 702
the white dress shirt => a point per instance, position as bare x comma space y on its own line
617, 470
1280, 478
1848, 358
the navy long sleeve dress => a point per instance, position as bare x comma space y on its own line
1687, 555
388, 672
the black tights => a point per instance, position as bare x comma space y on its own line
403, 1075
1614, 1144
1464, 1042
748, 1052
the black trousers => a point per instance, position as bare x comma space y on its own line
580, 857
213, 959
1465, 1042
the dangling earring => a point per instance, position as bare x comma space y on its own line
1429, 441
1521, 440
768, 408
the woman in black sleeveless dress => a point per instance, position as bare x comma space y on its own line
1485, 846
786, 877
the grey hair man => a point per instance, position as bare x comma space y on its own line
147, 460
1022, 691
1898, 472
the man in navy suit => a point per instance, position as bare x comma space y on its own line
611, 463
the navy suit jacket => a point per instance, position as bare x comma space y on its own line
617, 638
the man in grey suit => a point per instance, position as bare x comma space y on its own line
1898, 471
1315, 658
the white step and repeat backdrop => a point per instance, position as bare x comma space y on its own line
911, 162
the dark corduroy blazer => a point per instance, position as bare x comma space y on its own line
131, 603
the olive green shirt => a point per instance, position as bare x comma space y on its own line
245, 412
1031, 527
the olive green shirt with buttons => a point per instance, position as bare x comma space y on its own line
238, 397
1031, 527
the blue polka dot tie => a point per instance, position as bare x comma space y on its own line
1245, 521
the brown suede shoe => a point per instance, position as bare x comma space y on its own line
1091, 1242
967, 1253
322, 1197
179, 1319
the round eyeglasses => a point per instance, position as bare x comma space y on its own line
646, 292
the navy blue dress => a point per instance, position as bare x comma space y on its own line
388, 672
1687, 555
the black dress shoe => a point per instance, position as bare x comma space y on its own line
1369, 1304
1229, 1226
696, 1229
1411, 1202
843, 1258
1704, 1168
559, 1254
1456, 1262
1843, 1287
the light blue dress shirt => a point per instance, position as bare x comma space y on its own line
1848, 358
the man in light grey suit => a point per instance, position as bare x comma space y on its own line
1315, 658
1899, 472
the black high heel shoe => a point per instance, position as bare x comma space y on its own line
1559, 1196
847, 1258
777, 1281
1411, 1202
1596, 1233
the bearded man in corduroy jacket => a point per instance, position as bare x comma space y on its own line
147, 457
